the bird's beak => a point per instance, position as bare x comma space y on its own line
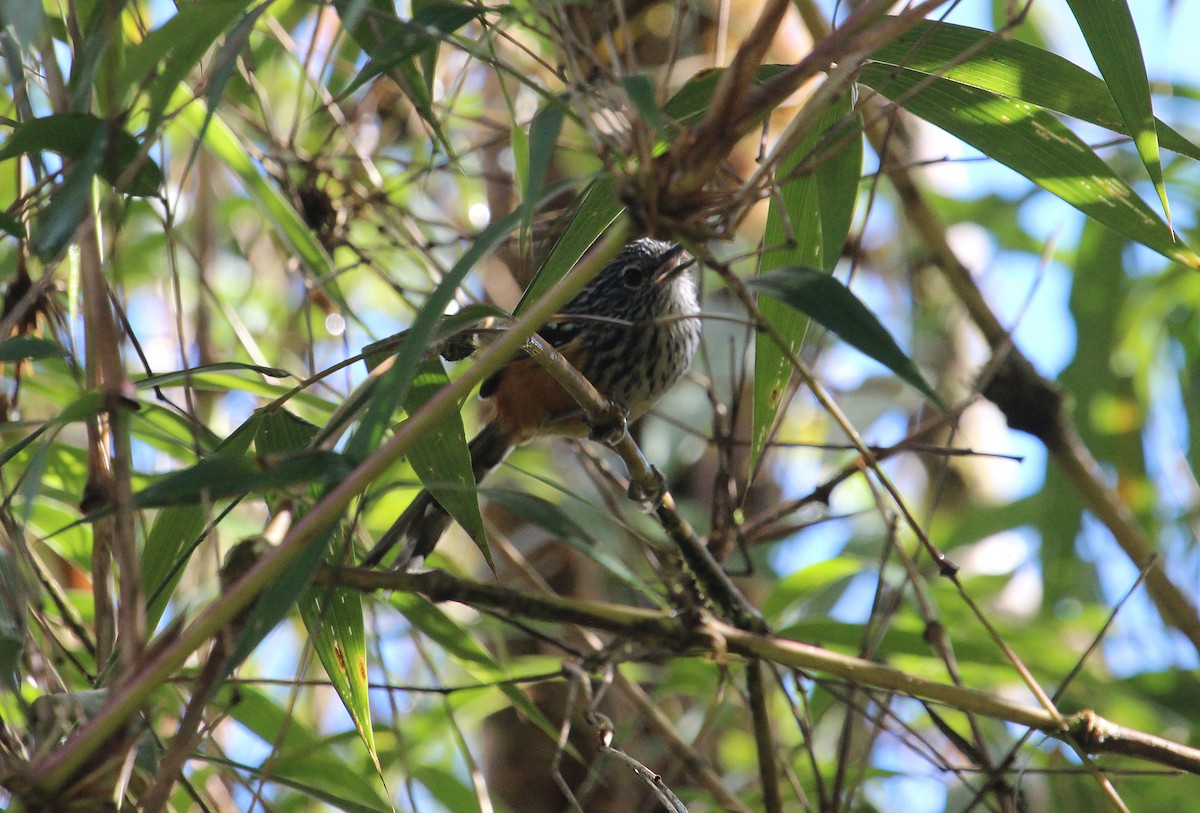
674, 263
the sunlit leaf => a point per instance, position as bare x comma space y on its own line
1113, 40
170, 52
334, 618
1035, 144
807, 223
1013, 68
185, 376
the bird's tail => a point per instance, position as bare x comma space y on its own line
418, 529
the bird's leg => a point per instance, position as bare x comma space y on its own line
609, 425
649, 494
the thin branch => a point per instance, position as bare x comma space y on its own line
1085, 730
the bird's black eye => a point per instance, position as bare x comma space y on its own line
631, 276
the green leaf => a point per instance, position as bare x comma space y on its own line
543, 138
441, 459
691, 101
13, 622
225, 62
313, 775
807, 223
519, 144
567, 528
89, 141
405, 40
96, 22
56, 224
392, 387
177, 531
303, 760
1113, 40
178, 44
279, 597
82, 408
831, 304
166, 379
449, 325
597, 211
172, 538
640, 90
228, 475
802, 585
20, 348
279, 432
1035, 144
12, 226
458, 642
334, 619
1009, 67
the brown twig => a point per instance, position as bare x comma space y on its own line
1086, 730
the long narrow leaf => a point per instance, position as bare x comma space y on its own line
830, 303
179, 44
1113, 40
1035, 144
441, 458
806, 225
984, 60
175, 532
76, 136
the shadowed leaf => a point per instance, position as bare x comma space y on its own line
832, 305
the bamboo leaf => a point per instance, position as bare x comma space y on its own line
334, 619
170, 52
228, 475
20, 348
442, 460
831, 304
1113, 40
106, 150
1031, 141
1009, 67
807, 224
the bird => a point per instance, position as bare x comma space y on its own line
635, 338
